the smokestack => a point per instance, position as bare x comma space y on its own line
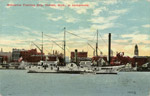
109, 48
76, 56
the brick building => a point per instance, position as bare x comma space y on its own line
16, 54
31, 55
81, 56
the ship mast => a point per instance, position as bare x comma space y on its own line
42, 48
97, 45
109, 48
64, 46
97, 48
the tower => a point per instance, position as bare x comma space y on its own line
136, 51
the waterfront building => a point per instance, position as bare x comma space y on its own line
31, 55
5, 56
16, 54
79, 56
34, 56
140, 60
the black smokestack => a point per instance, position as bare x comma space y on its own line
109, 48
76, 56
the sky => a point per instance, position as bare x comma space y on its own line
128, 21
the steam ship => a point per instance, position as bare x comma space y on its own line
72, 68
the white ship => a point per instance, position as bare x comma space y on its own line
107, 69
47, 67
71, 68
43, 67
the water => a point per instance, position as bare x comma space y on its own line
21, 83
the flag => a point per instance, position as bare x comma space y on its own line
20, 59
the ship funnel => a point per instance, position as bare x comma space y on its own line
109, 48
76, 56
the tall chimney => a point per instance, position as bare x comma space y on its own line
109, 48
76, 56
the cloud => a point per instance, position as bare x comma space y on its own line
11, 41
110, 2
55, 19
146, 26
71, 19
120, 11
99, 10
121, 41
27, 30
65, 18
23, 27
103, 19
144, 38
50, 17
103, 26
57, 7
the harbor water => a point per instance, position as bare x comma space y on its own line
21, 83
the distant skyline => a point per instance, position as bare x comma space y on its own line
127, 20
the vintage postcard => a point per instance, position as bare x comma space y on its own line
74, 47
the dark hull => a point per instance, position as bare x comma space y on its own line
106, 73
68, 72
64, 72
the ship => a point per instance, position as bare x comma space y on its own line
70, 68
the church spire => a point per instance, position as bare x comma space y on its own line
136, 51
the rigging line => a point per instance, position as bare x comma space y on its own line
37, 46
51, 37
78, 36
60, 46
46, 50
91, 46
94, 36
67, 49
57, 44
99, 50
103, 40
